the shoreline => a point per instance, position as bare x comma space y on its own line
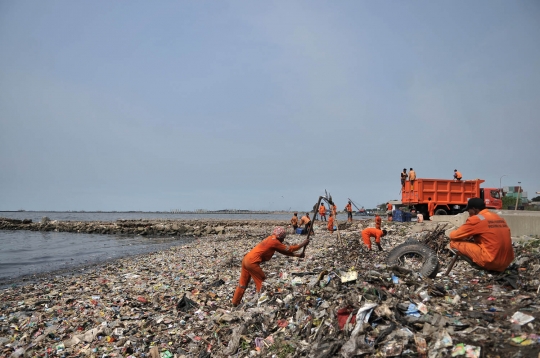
85, 268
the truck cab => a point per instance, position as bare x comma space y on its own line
492, 198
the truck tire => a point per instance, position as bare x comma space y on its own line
440, 211
417, 251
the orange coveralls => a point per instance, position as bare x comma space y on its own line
412, 178
335, 210
431, 208
348, 208
322, 211
250, 264
458, 175
378, 222
492, 246
294, 222
330, 225
371, 232
304, 221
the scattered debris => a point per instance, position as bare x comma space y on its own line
339, 301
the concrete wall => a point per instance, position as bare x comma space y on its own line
520, 222
456, 220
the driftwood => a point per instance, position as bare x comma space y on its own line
437, 240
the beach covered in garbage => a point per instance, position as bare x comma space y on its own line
339, 301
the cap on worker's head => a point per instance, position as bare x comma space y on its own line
295, 213
476, 203
455, 170
410, 169
404, 169
279, 232
384, 232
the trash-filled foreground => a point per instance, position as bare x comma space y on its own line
338, 301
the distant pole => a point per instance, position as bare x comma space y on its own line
517, 198
500, 185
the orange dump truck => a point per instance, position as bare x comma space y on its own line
449, 196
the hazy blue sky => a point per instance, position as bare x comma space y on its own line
139, 105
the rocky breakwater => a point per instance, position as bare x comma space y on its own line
146, 227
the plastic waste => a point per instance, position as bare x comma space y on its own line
185, 307
521, 318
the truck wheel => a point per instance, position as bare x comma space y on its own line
415, 256
440, 212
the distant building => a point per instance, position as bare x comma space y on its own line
513, 191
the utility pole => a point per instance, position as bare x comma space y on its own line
519, 191
500, 184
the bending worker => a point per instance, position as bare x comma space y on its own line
260, 253
306, 221
491, 244
370, 232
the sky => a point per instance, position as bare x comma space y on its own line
255, 105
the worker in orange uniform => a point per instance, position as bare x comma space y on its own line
403, 178
491, 245
457, 175
389, 211
370, 232
330, 225
263, 251
306, 221
294, 221
412, 178
430, 207
348, 209
378, 221
322, 212
334, 209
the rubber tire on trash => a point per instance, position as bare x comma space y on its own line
431, 262
440, 212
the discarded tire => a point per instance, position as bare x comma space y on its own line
440, 212
414, 250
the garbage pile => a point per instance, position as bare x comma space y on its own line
339, 301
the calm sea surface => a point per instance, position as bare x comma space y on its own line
30, 252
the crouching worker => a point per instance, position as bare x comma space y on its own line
370, 232
490, 244
260, 253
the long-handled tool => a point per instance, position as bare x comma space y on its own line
357, 208
328, 199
